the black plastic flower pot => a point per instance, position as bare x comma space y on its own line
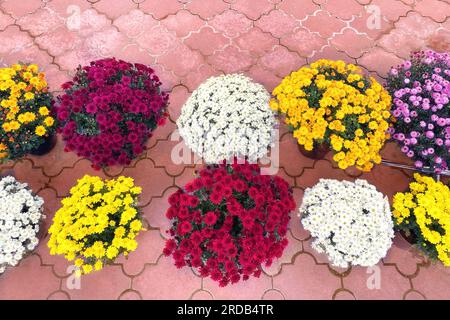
45, 147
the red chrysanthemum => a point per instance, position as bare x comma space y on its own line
229, 222
109, 110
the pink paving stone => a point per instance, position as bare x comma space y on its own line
17, 40
160, 9
281, 61
54, 162
298, 9
207, 9
343, 9
393, 285
263, 76
387, 179
130, 295
256, 42
44, 20
166, 155
230, 23
277, 22
150, 247
323, 23
379, 60
231, 60
152, 174
135, 54
159, 281
252, 289
114, 11
435, 9
51, 205
196, 77
183, 23
155, 212
161, 133
365, 24
406, 258
295, 225
414, 295
20, 8
181, 60
342, 294
294, 247
252, 9
433, 282
178, 97
5, 21
28, 280
392, 152
69, 176
303, 42
167, 77
439, 41
59, 295
68, 8
55, 77
391, 10
322, 258
306, 280
23, 171
291, 159
410, 34
135, 23
202, 295
188, 174
355, 45
58, 41
158, 40
273, 294
59, 265
206, 41
105, 284
309, 178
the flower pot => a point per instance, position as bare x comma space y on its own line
45, 147
409, 237
317, 153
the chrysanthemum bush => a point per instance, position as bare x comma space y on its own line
226, 117
229, 222
424, 211
421, 90
26, 110
350, 222
109, 110
332, 102
97, 222
21, 213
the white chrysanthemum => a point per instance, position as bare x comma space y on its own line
350, 221
20, 216
228, 116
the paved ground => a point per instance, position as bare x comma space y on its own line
187, 41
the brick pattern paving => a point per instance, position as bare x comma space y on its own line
187, 41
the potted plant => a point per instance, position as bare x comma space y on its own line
350, 222
226, 117
21, 213
331, 104
229, 222
96, 223
422, 214
27, 121
109, 111
421, 90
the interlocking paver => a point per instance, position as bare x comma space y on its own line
186, 42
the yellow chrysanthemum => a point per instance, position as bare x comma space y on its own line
330, 101
92, 212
